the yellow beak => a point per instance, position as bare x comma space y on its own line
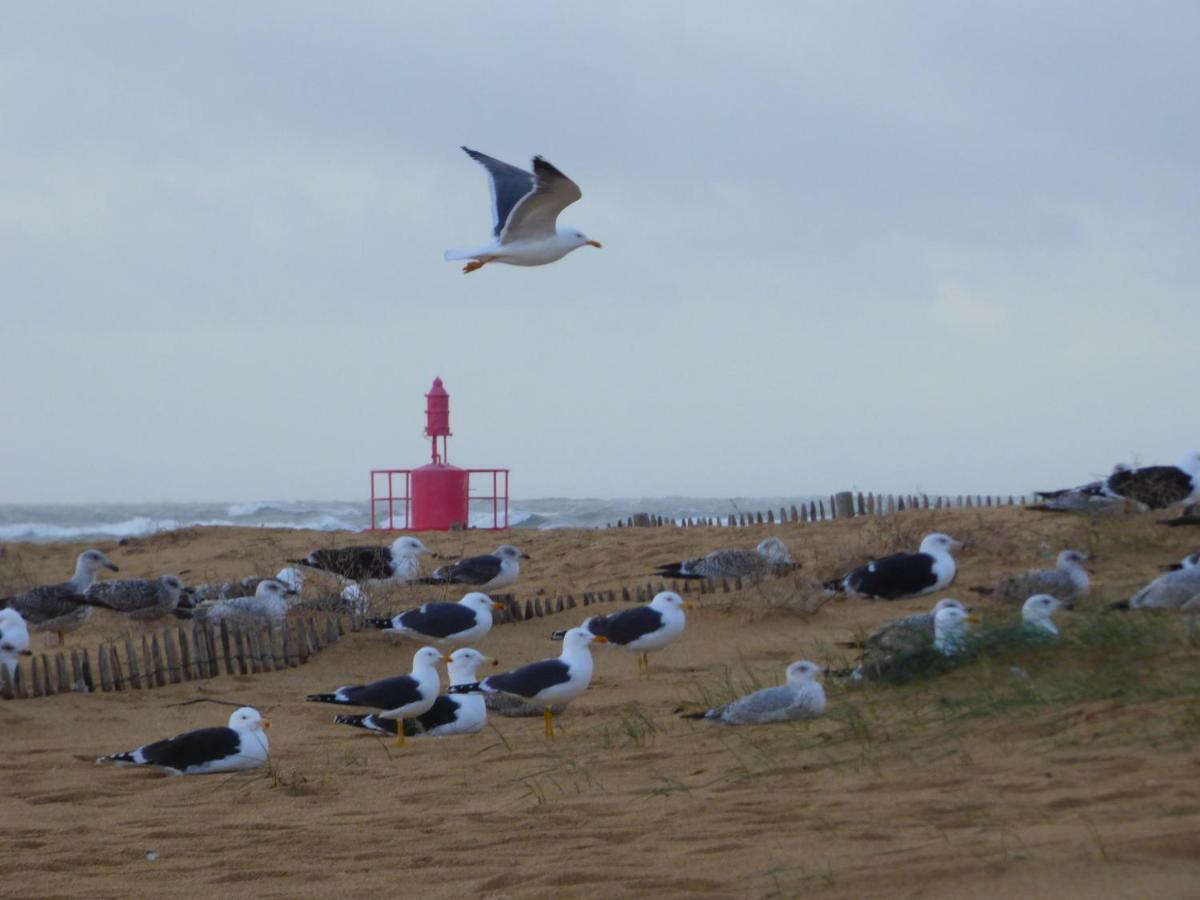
600, 639
974, 618
595, 244
266, 723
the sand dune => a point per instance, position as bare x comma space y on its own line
898, 792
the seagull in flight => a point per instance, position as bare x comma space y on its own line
525, 208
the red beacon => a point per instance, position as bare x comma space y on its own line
436, 497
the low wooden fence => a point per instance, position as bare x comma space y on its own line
843, 505
178, 653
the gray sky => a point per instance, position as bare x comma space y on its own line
894, 246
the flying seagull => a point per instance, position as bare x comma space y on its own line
525, 210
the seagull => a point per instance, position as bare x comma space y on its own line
1155, 487
770, 556
907, 635
1177, 589
242, 745
1189, 515
549, 682
950, 630
60, 607
640, 629
1068, 580
904, 575
454, 623
14, 640
486, 572
1037, 611
289, 576
270, 603
803, 697
399, 562
143, 600
400, 697
525, 209
457, 714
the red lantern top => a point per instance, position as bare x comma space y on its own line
437, 411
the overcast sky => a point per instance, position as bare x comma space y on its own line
892, 246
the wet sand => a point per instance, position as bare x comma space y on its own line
892, 794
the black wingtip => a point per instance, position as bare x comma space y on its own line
542, 167
834, 585
323, 698
1119, 606
382, 624
472, 688
692, 715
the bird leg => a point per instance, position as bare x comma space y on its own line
644, 664
399, 732
549, 718
476, 264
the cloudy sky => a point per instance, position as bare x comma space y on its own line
894, 246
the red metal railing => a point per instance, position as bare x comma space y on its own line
392, 512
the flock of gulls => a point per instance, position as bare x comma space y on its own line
420, 704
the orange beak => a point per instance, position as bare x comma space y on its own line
595, 244
266, 723
600, 639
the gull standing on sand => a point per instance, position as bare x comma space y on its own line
904, 575
803, 697
487, 572
14, 640
640, 629
770, 556
1068, 580
548, 683
399, 562
463, 622
60, 607
525, 208
450, 714
242, 745
400, 697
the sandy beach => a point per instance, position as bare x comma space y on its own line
1075, 777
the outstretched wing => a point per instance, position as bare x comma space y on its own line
535, 215
508, 183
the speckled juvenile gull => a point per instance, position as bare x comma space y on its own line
399, 562
270, 604
803, 697
525, 208
1068, 580
897, 638
450, 714
289, 576
143, 600
903, 575
242, 745
770, 557
61, 607
1155, 487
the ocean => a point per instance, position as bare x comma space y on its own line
83, 521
